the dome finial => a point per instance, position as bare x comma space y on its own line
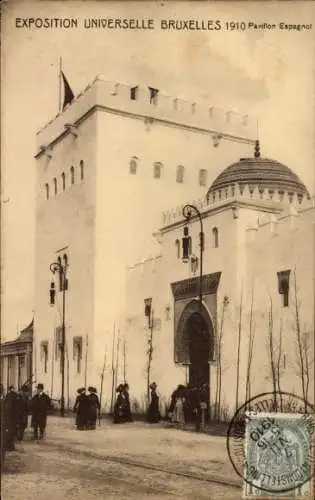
257, 149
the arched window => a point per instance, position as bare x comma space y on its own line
180, 174
177, 244
81, 170
47, 191
157, 170
215, 237
133, 165
202, 177
55, 186
72, 174
63, 181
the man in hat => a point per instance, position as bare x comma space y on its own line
81, 409
94, 408
39, 408
10, 418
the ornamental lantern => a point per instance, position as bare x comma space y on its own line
186, 243
52, 293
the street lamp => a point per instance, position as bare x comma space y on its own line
188, 212
62, 270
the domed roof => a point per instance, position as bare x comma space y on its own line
261, 172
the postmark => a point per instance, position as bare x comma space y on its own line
270, 444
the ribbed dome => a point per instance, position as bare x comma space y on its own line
261, 172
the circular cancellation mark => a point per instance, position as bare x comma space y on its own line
272, 452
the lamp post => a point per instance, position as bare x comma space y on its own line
62, 270
188, 212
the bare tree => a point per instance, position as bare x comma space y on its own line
239, 338
271, 346
113, 372
278, 364
220, 330
124, 361
251, 340
149, 353
68, 376
117, 359
86, 359
102, 378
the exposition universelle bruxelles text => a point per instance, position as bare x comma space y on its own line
107, 23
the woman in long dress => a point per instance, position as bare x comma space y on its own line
178, 415
154, 415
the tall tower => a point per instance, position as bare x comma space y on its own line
106, 168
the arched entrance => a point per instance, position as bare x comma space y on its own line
198, 337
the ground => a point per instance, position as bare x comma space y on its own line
131, 461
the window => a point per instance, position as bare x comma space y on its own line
153, 95
47, 191
180, 174
81, 170
215, 237
133, 165
58, 345
77, 353
203, 177
157, 170
63, 181
44, 355
55, 186
133, 93
72, 175
284, 286
177, 244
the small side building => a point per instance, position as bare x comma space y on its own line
16, 359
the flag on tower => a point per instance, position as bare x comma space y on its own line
68, 94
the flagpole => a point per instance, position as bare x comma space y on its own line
59, 83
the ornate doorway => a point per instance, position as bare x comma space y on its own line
199, 343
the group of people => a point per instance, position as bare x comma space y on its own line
87, 409
189, 404
15, 409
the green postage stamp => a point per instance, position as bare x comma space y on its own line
279, 456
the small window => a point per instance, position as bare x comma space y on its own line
47, 191
133, 165
284, 286
55, 186
215, 237
63, 181
81, 170
157, 170
72, 175
133, 93
153, 95
180, 174
177, 245
77, 353
203, 177
44, 355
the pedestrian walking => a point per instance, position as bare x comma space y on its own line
154, 414
10, 418
178, 414
81, 409
94, 408
22, 409
127, 402
40, 406
122, 411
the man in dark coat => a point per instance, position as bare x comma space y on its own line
81, 409
22, 407
154, 414
39, 407
94, 408
10, 418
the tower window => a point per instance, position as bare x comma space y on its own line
133, 93
47, 191
44, 355
63, 181
203, 177
153, 95
81, 170
133, 165
72, 175
180, 174
157, 170
77, 353
284, 286
55, 186
215, 237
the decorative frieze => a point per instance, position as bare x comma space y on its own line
189, 288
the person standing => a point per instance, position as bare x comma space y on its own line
22, 407
81, 409
128, 415
178, 415
196, 408
154, 414
10, 418
39, 408
94, 408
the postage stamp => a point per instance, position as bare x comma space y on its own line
278, 455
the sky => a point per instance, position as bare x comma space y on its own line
266, 73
